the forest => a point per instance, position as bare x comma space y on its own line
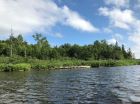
99, 50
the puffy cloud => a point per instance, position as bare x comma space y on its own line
27, 16
118, 18
117, 3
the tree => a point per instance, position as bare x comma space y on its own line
129, 54
42, 45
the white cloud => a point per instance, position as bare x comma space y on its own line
136, 50
118, 3
118, 18
112, 41
76, 21
27, 16
135, 38
116, 38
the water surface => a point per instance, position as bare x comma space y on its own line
116, 85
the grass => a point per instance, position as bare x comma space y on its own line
111, 63
53, 64
24, 64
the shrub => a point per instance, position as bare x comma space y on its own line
21, 67
15, 67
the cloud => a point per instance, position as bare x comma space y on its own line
136, 50
27, 16
73, 19
118, 3
116, 38
135, 39
112, 41
118, 18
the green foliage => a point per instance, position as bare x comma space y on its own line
111, 63
15, 67
36, 64
21, 67
99, 50
2, 67
56, 64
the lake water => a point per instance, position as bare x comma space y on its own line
116, 85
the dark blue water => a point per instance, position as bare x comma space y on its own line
117, 85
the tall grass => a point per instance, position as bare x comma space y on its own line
110, 63
53, 64
24, 64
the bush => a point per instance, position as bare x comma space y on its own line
15, 67
21, 67
2, 67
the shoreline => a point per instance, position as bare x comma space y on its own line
74, 67
64, 64
67, 68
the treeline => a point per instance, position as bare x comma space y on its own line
99, 50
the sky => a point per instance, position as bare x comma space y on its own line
73, 21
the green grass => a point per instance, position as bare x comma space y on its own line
54, 64
15, 67
111, 63
25, 64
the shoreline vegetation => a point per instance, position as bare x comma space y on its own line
16, 54
8, 64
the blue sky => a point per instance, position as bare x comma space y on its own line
74, 21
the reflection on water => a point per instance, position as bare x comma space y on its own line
117, 85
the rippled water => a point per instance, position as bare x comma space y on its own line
117, 85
